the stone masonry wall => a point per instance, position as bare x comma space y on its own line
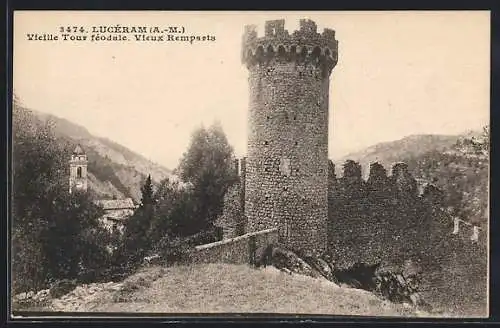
286, 183
238, 250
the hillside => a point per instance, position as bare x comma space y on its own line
387, 153
114, 170
222, 288
462, 172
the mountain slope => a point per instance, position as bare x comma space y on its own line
114, 170
462, 172
388, 153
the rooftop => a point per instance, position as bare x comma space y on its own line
78, 150
116, 204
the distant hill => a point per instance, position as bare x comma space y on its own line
114, 170
388, 153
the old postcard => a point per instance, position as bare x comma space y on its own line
315, 163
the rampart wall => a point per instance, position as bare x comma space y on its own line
238, 250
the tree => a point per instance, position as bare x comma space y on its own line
74, 241
147, 192
207, 165
138, 227
173, 211
35, 164
49, 226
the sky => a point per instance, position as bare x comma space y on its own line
398, 74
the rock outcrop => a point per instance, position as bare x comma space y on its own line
398, 285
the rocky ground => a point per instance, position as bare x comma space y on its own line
76, 300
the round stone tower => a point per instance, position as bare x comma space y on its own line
287, 160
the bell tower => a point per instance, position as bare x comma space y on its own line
78, 170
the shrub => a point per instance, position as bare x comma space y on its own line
62, 287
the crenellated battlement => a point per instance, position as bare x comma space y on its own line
303, 45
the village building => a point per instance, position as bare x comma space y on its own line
116, 212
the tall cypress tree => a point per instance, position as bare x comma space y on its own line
137, 242
147, 192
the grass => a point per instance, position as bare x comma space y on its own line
222, 288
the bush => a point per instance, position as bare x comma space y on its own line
175, 250
62, 287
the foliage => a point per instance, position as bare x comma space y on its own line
62, 287
72, 242
462, 174
178, 211
147, 192
61, 231
55, 235
138, 227
207, 165
175, 220
173, 210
